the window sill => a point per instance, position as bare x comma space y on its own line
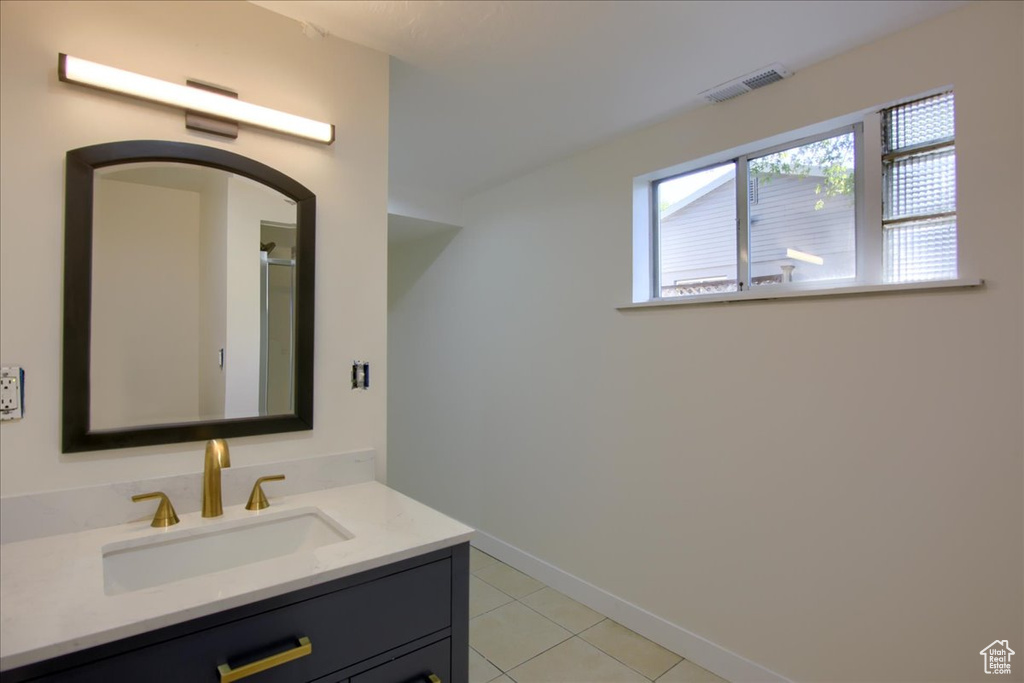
768, 292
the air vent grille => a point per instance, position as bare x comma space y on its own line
744, 84
762, 79
727, 93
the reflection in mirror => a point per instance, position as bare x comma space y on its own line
277, 318
193, 296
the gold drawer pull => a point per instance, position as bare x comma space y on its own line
227, 674
434, 678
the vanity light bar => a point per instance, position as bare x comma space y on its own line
804, 256
84, 72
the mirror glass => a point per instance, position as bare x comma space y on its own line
192, 296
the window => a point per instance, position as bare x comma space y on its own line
796, 214
802, 223
697, 232
919, 190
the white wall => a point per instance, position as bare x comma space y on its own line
213, 298
269, 61
145, 338
248, 204
831, 488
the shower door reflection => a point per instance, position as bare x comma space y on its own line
277, 315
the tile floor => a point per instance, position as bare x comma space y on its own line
522, 631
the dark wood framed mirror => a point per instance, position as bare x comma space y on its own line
189, 277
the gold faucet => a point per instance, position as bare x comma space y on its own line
258, 499
217, 457
165, 515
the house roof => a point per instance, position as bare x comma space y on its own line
814, 172
1002, 644
698, 193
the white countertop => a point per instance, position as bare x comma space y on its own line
52, 598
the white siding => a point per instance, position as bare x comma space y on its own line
699, 240
785, 217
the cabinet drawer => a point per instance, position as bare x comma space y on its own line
415, 667
344, 628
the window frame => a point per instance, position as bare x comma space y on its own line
868, 215
742, 201
655, 236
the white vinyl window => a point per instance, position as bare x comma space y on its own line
870, 203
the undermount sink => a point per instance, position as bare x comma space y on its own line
176, 555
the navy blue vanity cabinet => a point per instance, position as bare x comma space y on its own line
416, 666
407, 622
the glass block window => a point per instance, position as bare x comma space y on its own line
919, 191
919, 122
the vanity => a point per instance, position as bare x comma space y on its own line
355, 584
332, 583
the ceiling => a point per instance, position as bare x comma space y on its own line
483, 91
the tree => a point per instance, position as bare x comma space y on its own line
832, 158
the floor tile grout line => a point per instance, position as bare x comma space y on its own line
598, 647
504, 604
532, 592
495, 665
646, 678
495, 587
571, 636
570, 631
489, 564
485, 555
479, 569
518, 571
510, 597
543, 585
552, 620
607, 654
564, 640
681, 658
500, 674
575, 633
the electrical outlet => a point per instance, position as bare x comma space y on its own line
12, 393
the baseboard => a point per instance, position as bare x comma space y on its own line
700, 651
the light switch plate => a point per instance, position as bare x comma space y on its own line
12, 396
360, 374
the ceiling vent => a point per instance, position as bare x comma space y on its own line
744, 84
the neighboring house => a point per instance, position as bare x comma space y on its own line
997, 657
698, 234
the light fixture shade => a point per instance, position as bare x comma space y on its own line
84, 72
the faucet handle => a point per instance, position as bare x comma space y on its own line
165, 515
257, 499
